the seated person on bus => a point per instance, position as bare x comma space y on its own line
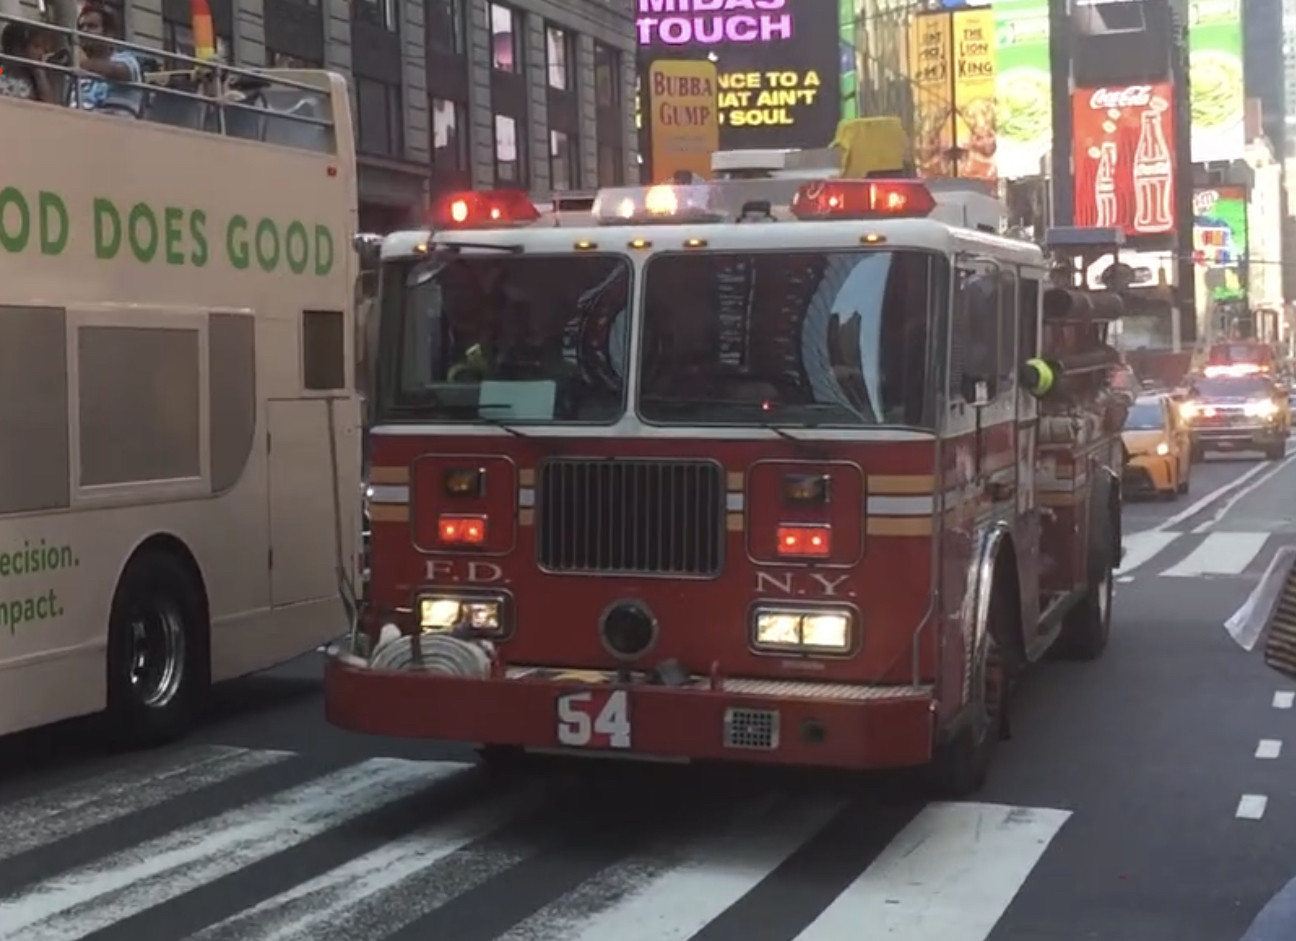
19, 80
103, 90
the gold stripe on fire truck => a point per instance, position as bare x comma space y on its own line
389, 512
897, 485
1060, 498
389, 475
898, 526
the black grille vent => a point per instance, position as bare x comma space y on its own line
1280, 641
662, 518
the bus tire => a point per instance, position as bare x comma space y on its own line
960, 766
157, 652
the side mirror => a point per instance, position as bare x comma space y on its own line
978, 392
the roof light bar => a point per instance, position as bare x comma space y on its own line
665, 204
828, 200
483, 209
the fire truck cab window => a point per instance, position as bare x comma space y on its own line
1233, 386
978, 318
518, 338
837, 337
1028, 308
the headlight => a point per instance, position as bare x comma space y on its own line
1188, 410
1261, 408
1162, 449
444, 613
804, 630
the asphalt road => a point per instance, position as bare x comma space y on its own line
1150, 796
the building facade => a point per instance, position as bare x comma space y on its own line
447, 94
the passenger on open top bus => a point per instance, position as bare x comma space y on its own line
19, 79
105, 89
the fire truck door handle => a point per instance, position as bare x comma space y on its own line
1001, 490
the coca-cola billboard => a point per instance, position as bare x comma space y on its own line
1125, 157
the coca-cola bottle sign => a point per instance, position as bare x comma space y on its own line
1124, 157
1134, 96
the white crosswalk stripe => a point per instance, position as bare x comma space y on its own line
1219, 554
47, 818
949, 874
1183, 554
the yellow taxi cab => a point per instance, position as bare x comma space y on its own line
1160, 448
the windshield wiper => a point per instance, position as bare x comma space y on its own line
431, 266
455, 247
764, 408
498, 422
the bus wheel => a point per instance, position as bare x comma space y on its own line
960, 766
156, 652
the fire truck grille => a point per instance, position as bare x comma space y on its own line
751, 728
663, 518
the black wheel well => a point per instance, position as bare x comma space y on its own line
1007, 579
175, 548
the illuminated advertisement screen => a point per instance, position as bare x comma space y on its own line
1215, 77
778, 63
1124, 158
954, 79
1220, 237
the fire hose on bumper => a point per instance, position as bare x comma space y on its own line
440, 652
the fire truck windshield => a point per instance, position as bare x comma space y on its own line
801, 337
516, 338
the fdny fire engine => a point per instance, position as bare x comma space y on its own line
765, 470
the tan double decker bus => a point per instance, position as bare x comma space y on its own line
180, 466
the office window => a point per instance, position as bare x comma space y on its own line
380, 13
607, 76
380, 124
560, 58
506, 39
563, 166
449, 135
178, 38
446, 31
510, 155
611, 165
282, 60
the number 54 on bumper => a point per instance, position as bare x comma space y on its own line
594, 718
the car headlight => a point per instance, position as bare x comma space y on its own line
480, 613
806, 630
1162, 449
1261, 408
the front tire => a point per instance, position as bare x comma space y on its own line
157, 652
961, 765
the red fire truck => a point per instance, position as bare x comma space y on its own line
762, 470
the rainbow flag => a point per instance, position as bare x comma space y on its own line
204, 32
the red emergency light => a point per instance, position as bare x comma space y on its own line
461, 529
483, 209
827, 200
802, 540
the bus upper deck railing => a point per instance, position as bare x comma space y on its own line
201, 95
